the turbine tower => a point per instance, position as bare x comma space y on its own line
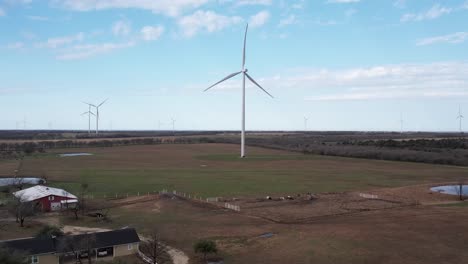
401, 123
460, 117
89, 113
306, 119
97, 113
244, 75
173, 126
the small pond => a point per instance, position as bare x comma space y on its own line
450, 189
74, 154
14, 181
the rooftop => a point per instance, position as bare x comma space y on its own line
38, 246
40, 191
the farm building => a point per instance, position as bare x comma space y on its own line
47, 198
100, 246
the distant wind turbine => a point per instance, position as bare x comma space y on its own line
306, 119
25, 123
173, 125
97, 113
401, 123
460, 118
244, 75
89, 113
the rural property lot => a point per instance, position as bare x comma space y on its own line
337, 226
209, 170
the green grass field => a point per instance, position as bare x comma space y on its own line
215, 170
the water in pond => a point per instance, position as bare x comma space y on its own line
450, 189
74, 154
14, 181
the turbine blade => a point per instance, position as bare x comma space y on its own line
103, 102
92, 113
226, 78
88, 104
258, 85
84, 113
245, 41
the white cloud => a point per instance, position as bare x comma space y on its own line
399, 3
89, 50
152, 32
16, 45
454, 38
435, 80
259, 19
37, 18
253, 2
121, 28
290, 20
388, 81
321, 22
2, 12
434, 12
166, 7
465, 5
208, 21
342, 1
61, 41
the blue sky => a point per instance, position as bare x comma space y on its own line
345, 64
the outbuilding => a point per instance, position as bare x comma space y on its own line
47, 198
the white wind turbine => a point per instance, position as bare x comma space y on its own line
97, 113
401, 123
306, 119
89, 113
173, 125
244, 74
460, 117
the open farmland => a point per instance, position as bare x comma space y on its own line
407, 224
215, 170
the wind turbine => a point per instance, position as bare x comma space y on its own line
89, 113
401, 123
306, 119
460, 117
97, 113
244, 75
173, 125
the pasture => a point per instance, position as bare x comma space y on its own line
334, 228
209, 170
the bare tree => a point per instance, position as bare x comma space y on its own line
22, 209
77, 246
83, 191
154, 249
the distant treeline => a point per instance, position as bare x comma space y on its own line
451, 150
10, 150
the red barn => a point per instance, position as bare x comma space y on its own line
48, 198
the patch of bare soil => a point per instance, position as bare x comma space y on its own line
76, 230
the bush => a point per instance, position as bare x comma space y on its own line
49, 231
205, 247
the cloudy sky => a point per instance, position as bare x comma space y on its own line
345, 64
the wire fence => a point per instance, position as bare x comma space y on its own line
210, 200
